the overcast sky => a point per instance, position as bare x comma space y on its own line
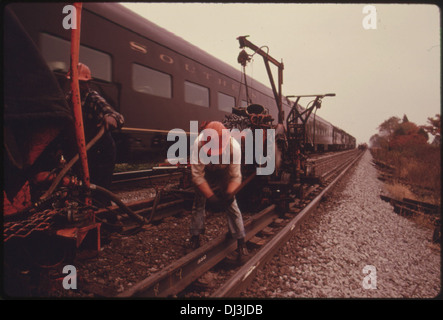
375, 73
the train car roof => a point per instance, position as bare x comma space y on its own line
132, 21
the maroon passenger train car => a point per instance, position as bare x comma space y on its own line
157, 80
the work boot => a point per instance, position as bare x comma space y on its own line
195, 242
242, 250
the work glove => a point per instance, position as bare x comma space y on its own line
227, 199
214, 204
109, 122
218, 204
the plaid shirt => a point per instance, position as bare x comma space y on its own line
94, 108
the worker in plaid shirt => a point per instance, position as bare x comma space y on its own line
96, 113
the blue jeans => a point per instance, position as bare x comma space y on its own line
233, 214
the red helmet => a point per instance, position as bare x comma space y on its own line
84, 73
222, 143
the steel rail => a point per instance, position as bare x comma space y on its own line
241, 279
317, 165
177, 276
122, 177
330, 173
143, 208
409, 206
163, 210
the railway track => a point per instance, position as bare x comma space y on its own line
154, 176
266, 231
159, 265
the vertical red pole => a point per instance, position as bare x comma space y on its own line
76, 100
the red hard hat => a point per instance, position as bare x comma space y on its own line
222, 143
84, 73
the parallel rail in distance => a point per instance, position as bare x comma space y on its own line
410, 206
160, 172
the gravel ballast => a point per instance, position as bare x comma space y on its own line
354, 246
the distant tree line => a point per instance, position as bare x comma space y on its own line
400, 134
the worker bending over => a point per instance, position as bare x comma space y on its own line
226, 178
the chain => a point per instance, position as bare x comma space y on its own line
40, 221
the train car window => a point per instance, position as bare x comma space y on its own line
56, 52
150, 81
196, 94
225, 102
